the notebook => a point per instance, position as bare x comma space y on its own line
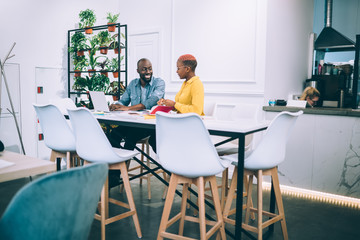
161, 109
99, 101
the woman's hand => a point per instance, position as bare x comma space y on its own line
161, 102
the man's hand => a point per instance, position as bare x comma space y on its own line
118, 107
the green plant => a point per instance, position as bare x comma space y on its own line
77, 42
94, 42
115, 44
113, 88
114, 64
104, 38
87, 18
97, 82
81, 64
112, 18
104, 65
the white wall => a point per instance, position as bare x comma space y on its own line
39, 28
244, 48
289, 24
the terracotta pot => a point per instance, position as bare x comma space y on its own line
77, 73
88, 30
111, 28
91, 72
80, 53
115, 98
115, 74
116, 50
104, 73
104, 50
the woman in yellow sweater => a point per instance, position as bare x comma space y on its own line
190, 98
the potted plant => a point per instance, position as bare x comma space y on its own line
115, 67
97, 82
104, 41
94, 45
115, 44
104, 65
87, 20
78, 43
79, 66
113, 89
112, 19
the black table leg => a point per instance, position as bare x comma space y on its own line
239, 198
272, 205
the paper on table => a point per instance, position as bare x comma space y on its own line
4, 164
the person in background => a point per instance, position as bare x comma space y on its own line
311, 95
141, 93
190, 98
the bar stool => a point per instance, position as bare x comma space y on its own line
93, 146
264, 160
185, 149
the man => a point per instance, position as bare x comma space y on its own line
142, 93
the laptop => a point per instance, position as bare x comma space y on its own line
99, 101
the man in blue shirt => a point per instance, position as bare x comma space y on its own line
142, 93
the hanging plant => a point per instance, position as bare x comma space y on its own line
115, 44
87, 20
112, 19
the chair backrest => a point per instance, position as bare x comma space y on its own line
58, 135
271, 150
57, 206
63, 104
184, 146
91, 142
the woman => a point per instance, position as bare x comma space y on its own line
311, 95
190, 98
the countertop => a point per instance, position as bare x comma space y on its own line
316, 110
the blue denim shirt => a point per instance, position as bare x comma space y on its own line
155, 90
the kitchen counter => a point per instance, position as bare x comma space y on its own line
317, 110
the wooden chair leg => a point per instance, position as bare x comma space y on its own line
249, 199
230, 195
259, 204
201, 204
168, 204
183, 208
126, 183
279, 202
217, 205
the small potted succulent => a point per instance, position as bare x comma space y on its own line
112, 19
104, 41
87, 20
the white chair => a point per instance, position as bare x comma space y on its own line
184, 148
58, 135
264, 161
240, 111
93, 146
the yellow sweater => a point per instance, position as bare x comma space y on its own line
190, 98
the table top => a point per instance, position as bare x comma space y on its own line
24, 166
131, 118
